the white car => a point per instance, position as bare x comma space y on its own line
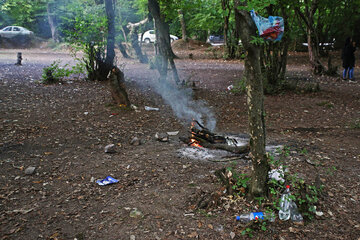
13, 31
149, 37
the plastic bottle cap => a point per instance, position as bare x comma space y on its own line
287, 186
237, 218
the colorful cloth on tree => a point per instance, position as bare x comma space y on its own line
271, 28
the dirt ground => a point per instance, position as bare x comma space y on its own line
62, 130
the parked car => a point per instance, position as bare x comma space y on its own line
215, 39
14, 31
150, 37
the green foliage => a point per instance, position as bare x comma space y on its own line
355, 124
87, 33
240, 182
54, 73
239, 86
306, 196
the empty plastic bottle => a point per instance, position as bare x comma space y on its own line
295, 214
285, 201
247, 217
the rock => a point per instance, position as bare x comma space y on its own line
232, 235
92, 179
162, 137
29, 170
132, 237
135, 141
110, 148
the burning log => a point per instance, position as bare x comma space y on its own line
205, 138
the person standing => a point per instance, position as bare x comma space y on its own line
348, 58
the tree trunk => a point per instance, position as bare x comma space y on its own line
255, 101
274, 58
133, 27
308, 17
163, 42
110, 48
117, 87
183, 26
122, 49
52, 23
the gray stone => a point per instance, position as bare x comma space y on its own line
135, 141
110, 148
29, 170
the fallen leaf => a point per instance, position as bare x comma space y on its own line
193, 235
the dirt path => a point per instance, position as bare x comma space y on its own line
62, 131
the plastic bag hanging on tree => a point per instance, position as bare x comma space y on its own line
271, 28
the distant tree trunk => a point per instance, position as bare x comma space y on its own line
133, 27
308, 17
52, 23
255, 101
122, 49
163, 41
274, 57
183, 25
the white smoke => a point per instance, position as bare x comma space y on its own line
184, 106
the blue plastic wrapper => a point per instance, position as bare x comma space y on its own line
108, 180
271, 28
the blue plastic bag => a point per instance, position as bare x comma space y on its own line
108, 180
271, 28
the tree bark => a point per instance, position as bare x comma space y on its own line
255, 101
274, 57
133, 27
117, 87
163, 42
308, 15
52, 23
122, 49
183, 25
110, 48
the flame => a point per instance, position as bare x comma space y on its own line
193, 142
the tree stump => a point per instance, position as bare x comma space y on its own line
117, 87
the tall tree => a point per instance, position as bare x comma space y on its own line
255, 101
306, 10
163, 40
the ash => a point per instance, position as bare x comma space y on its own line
195, 153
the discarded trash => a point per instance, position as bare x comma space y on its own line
162, 137
285, 201
151, 109
133, 107
277, 174
271, 28
247, 217
136, 213
110, 148
173, 133
230, 87
108, 180
295, 214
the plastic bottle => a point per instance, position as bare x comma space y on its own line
285, 201
295, 214
247, 217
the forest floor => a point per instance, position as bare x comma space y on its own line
62, 130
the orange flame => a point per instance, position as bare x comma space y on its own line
194, 142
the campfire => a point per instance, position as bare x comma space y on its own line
203, 137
